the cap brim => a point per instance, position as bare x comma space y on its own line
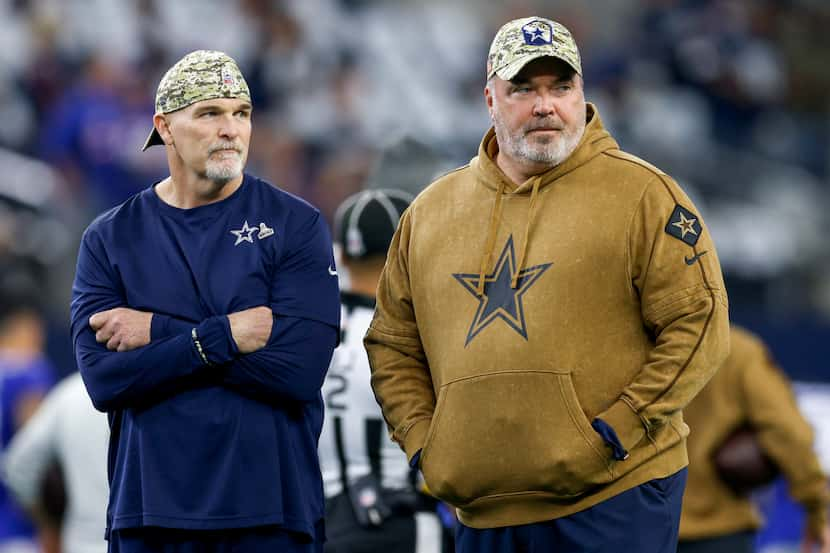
512, 69
152, 140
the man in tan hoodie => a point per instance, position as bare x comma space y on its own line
544, 315
748, 390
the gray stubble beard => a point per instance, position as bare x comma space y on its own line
551, 152
222, 172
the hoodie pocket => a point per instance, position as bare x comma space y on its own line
512, 432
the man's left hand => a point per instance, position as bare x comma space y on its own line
122, 329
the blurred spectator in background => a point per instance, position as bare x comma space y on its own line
66, 430
85, 132
371, 498
25, 377
408, 162
730, 96
750, 391
40, 223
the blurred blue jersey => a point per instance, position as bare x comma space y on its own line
18, 379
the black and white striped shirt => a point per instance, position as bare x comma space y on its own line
354, 434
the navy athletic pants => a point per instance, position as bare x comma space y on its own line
644, 519
262, 539
739, 542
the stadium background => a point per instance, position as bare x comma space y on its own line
728, 96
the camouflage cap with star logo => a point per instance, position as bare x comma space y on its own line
200, 75
523, 40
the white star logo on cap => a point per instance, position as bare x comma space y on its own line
537, 33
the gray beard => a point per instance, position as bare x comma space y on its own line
552, 152
223, 172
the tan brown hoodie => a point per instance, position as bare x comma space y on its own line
591, 305
748, 389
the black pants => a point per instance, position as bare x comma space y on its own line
740, 542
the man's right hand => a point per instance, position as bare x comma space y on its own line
251, 328
122, 328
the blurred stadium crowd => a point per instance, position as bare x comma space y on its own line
731, 97
728, 96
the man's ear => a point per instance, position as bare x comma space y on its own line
488, 97
162, 125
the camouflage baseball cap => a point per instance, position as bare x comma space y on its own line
200, 75
523, 40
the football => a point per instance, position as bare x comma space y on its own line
742, 464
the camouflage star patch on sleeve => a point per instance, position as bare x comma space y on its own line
684, 225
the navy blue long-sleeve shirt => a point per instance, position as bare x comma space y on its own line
231, 443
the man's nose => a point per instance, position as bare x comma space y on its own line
544, 105
229, 127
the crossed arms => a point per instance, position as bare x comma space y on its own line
273, 354
248, 352
124, 329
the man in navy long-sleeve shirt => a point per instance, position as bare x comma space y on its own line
204, 314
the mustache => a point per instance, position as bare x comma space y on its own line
225, 146
545, 124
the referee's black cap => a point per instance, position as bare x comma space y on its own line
365, 222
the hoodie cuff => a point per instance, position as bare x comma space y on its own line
627, 425
415, 437
214, 341
609, 436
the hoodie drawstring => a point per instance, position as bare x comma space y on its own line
530, 216
495, 215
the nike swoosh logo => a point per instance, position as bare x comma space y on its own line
332, 272
691, 260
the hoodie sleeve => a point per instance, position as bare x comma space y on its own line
782, 430
676, 274
400, 374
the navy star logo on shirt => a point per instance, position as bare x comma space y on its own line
245, 234
499, 300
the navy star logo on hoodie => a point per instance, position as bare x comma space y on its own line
500, 300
